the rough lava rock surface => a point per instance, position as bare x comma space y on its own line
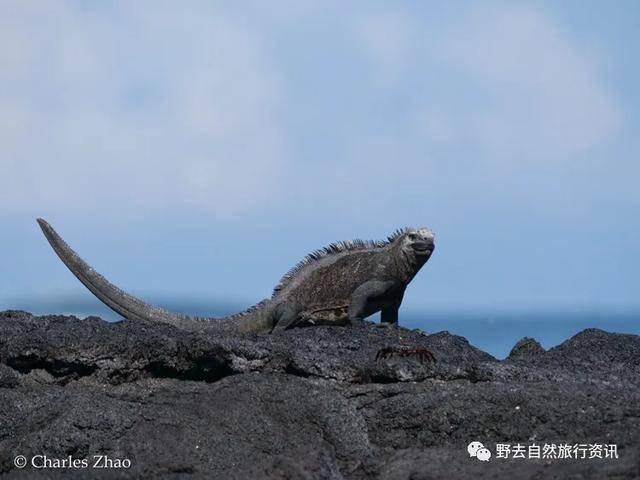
314, 403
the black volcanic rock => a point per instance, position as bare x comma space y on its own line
525, 349
326, 402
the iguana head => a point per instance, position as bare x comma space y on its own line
416, 246
419, 241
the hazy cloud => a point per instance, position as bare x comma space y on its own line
145, 102
386, 39
538, 95
156, 105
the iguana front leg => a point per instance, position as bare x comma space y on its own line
389, 315
369, 298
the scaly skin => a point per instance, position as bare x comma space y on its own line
339, 284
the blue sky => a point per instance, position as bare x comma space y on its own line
199, 149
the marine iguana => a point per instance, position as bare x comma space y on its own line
339, 284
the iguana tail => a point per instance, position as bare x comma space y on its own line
133, 308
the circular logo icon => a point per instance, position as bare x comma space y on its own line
478, 450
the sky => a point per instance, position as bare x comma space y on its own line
197, 150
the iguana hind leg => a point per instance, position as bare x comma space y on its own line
286, 316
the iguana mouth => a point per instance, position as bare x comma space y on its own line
424, 248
